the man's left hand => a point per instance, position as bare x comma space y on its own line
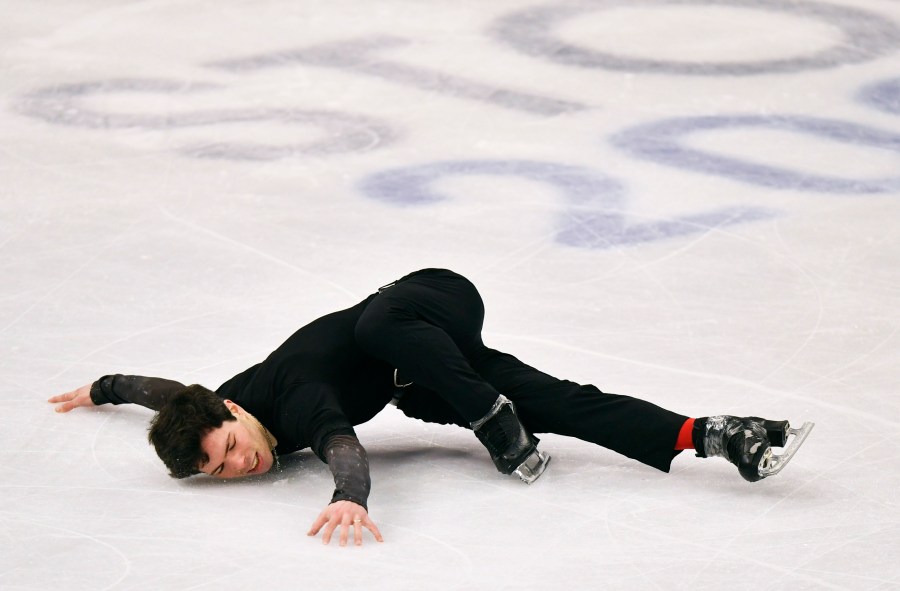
344, 514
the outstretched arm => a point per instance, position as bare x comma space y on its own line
350, 467
119, 389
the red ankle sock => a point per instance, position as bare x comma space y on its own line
685, 441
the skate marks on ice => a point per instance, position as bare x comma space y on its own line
100, 561
262, 254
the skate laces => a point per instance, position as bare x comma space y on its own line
732, 437
714, 441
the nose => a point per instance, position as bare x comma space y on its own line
239, 465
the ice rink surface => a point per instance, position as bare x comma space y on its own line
693, 202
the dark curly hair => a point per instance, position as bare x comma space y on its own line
178, 428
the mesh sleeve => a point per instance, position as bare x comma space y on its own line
350, 466
121, 389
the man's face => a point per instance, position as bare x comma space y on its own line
237, 448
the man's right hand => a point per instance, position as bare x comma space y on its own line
74, 399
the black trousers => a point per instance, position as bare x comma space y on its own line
428, 325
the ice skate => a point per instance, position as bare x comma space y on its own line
747, 443
512, 448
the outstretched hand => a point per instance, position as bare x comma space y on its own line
74, 399
344, 514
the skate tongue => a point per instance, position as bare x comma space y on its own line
776, 462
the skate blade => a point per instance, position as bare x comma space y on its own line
533, 466
775, 463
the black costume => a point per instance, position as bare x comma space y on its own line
343, 368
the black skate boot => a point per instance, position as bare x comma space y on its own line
747, 443
512, 448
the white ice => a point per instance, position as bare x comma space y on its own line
695, 203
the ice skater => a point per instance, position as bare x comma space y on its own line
415, 343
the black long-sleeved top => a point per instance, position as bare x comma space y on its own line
309, 392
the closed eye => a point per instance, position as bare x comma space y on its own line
228, 447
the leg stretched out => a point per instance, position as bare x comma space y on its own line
428, 325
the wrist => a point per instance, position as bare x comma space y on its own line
97, 396
341, 496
